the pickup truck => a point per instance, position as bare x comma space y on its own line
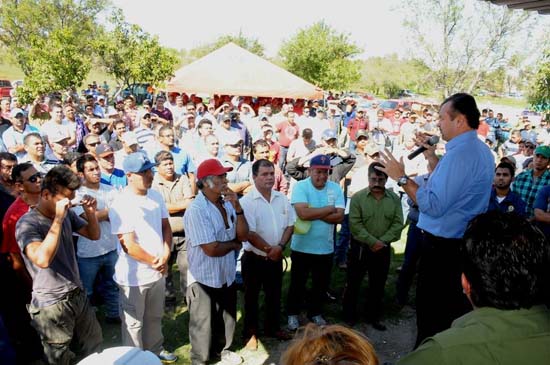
5, 88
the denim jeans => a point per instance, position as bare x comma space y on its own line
342, 244
104, 267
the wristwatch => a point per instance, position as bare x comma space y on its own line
403, 180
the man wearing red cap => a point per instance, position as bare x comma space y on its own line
215, 226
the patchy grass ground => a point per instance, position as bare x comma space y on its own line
390, 344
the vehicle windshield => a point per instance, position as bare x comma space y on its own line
388, 104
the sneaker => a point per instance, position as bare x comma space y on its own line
343, 266
293, 323
319, 320
230, 358
167, 357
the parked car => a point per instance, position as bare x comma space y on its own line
406, 93
5, 88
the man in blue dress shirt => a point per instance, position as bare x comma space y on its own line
458, 190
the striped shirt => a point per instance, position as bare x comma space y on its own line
204, 224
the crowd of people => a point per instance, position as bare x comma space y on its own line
100, 200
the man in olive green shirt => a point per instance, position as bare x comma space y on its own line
505, 277
376, 220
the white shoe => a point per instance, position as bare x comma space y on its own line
293, 323
230, 358
319, 320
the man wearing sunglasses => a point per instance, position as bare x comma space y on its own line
19, 283
45, 237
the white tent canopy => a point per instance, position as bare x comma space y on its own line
232, 70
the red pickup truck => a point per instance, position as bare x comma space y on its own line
5, 88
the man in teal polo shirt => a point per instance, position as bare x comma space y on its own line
319, 204
505, 275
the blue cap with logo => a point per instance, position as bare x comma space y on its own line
320, 162
137, 162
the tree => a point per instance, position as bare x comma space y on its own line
388, 75
50, 41
461, 41
250, 44
132, 55
539, 95
322, 56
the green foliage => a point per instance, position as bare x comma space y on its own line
323, 57
250, 44
50, 41
132, 55
463, 40
539, 96
388, 75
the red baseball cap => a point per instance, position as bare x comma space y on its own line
211, 167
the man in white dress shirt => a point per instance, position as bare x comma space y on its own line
270, 220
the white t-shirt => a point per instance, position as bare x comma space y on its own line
53, 130
108, 241
142, 215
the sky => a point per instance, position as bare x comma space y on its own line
372, 25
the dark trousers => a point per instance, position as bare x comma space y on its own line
16, 318
341, 245
304, 264
439, 296
258, 274
212, 318
360, 262
408, 269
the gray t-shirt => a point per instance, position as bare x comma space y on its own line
51, 284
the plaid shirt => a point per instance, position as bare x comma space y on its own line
527, 187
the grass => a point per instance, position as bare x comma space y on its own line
519, 103
176, 319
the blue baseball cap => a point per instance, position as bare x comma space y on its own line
320, 162
329, 134
137, 162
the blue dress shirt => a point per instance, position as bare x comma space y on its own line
458, 189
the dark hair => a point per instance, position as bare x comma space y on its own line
259, 143
203, 122
117, 122
19, 169
81, 161
506, 260
464, 104
307, 133
506, 165
60, 176
261, 163
7, 156
372, 169
162, 156
71, 157
32, 135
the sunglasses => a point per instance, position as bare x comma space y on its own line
93, 144
34, 178
237, 145
530, 147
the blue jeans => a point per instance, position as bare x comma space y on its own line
342, 244
101, 268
